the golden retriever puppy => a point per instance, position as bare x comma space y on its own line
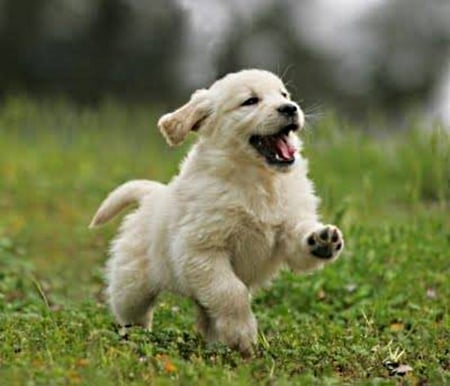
240, 208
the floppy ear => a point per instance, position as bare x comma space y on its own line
176, 126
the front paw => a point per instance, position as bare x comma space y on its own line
326, 242
237, 334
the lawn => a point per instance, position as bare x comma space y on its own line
377, 313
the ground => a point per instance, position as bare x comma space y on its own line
379, 312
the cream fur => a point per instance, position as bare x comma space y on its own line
225, 224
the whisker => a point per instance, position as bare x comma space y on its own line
313, 113
285, 72
291, 86
316, 107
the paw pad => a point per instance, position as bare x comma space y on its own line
325, 243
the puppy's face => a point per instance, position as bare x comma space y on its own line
248, 115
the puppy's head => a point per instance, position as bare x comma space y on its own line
248, 115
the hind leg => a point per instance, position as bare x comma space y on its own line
131, 309
204, 323
131, 295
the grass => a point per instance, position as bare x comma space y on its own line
386, 301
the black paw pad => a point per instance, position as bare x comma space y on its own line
324, 234
335, 236
323, 252
325, 243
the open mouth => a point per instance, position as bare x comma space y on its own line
276, 148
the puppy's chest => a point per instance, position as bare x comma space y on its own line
253, 247
251, 231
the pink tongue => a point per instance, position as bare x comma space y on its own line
284, 149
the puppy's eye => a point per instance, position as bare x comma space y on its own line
284, 94
250, 101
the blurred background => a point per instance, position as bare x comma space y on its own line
358, 57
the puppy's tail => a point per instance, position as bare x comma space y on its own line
121, 197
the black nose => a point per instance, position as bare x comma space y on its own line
288, 109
